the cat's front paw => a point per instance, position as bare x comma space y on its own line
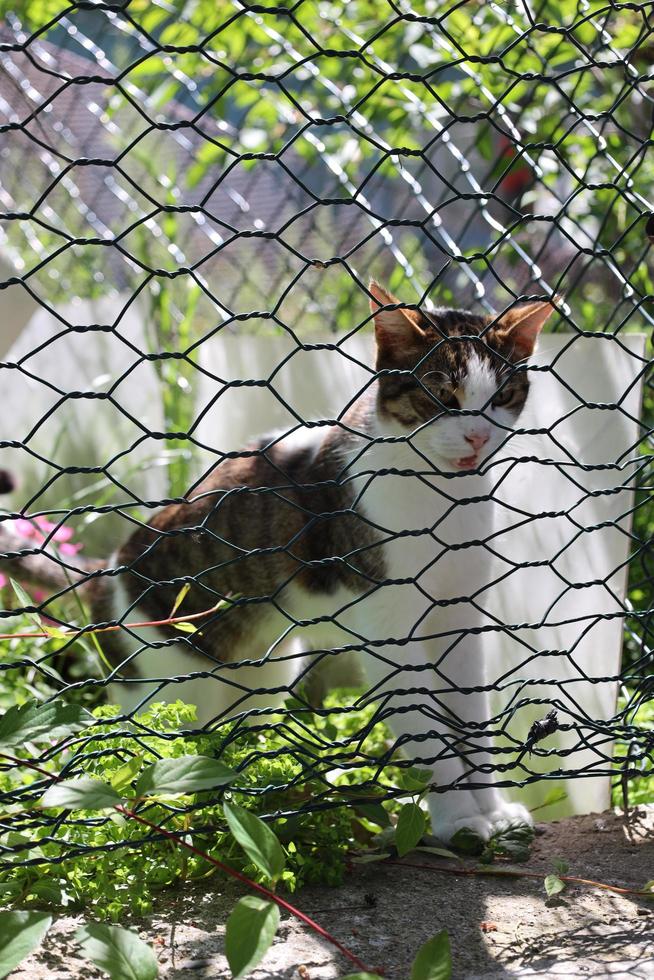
507, 815
479, 824
482, 826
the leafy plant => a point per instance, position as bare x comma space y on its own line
20, 933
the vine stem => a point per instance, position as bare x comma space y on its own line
517, 873
251, 884
67, 634
232, 872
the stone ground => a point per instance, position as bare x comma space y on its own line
498, 927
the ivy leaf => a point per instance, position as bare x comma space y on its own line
187, 774
84, 793
257, 840
34, 722
553, 885
251, 929
20, 933
434, 960
410, 828
118, 951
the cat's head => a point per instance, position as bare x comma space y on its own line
457, 377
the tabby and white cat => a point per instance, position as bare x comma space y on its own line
339, 539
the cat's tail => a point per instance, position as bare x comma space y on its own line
33, 562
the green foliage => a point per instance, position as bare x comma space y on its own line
512, 843
640, 782
434, 959
553, 885
34, 722
410, 828
85, 793
251, 928
362, 976
185, 774
20, 933
76, 861
257, 840
117, 951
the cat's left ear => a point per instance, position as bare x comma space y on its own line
396, 331
523, 323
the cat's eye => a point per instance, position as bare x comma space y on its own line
448, 399
503, 398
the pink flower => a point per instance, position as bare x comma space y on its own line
38, 530
41, 528
24, 528
69, 548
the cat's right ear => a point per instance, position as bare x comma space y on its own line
395, 330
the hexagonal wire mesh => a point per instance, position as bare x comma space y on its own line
195, 198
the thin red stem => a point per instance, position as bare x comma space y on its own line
37, 635
251, 884
517, 873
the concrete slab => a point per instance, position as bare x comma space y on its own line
584, 932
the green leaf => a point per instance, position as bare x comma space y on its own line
257, 840
124, 776
369, 858
179, 599
34, 722
374, 812
185, 627
56, 632
118, 951
434, 960
410, 828
561, 866
187, 774
20, 933
26, 601
414, 779
251, 929
84, 793
555, 795
553, 885
439, 852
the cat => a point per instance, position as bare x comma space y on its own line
335, 540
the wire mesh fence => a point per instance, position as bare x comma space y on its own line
323, 512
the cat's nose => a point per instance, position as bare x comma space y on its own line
477, 439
